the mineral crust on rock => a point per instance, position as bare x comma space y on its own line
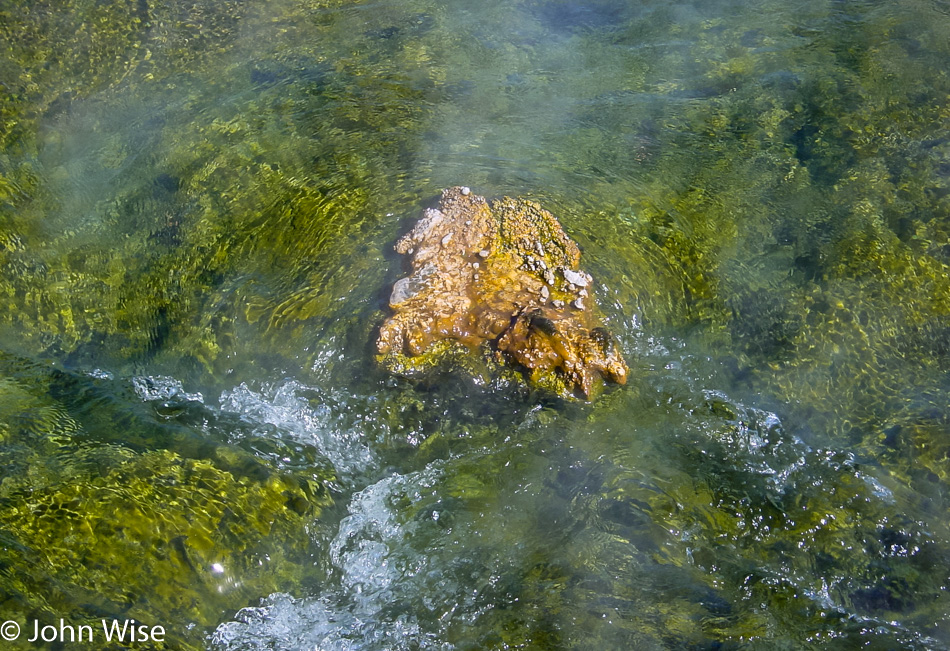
500, 277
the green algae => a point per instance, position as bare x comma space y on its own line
672, 540
95, 528
770, 188
153, 536
802, 221
209, 211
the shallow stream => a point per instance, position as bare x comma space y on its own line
198, 203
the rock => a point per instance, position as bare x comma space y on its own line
477, 285
406, 288
575, 278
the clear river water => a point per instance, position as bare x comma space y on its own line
198, 205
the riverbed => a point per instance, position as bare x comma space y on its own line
198, 206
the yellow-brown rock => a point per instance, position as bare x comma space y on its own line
502, 277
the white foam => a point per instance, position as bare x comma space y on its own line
296, 418
378, 570
161, 387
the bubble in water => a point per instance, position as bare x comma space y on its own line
161, 387
378, 571
296, 417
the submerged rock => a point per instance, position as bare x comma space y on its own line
502, 278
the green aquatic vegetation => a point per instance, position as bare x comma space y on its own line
211, 189
610, 547
808, 220
59, 53
800, 227
151, 536
749, 515
256, 185
26, 418
97, 521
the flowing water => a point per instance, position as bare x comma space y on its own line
198, 202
